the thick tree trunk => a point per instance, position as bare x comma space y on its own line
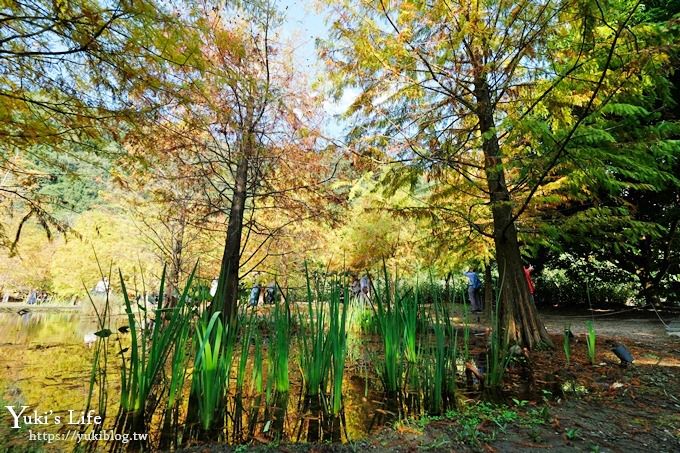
649, 289
226, 297
519, 316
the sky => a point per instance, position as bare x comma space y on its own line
303, 25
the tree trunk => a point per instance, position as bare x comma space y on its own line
649, 289
519, 316
488, 291
226, 297
176, 262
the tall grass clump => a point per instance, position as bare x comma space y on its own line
439, 368
315, 353
214, 355
337, 335
256, 376
566, 344
498, 356
390, 325
178, 367
248, 326
407, 305
439, 357
98, 372
451, 334
466, 330
279, 348
591, 337
149, 351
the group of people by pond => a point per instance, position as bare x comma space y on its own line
361, 288
269, 295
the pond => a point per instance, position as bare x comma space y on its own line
46, 362
439, 358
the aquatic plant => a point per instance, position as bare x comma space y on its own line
368, 322
438, 358
315, 353
149, 350
451, 333
214, 355
98, 372
390, 325
256, 377
407, 305
497, 356
178, 366
440, 361
591, 337
566, 344
279, 347
466, 330
337, 335
249, 327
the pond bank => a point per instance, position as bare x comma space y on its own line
12, 307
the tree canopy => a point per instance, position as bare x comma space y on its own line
483, 134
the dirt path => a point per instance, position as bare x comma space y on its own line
633, 325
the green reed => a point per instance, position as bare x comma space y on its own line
314, 342
337, 334
407, 306
438, 359
98, 373
498, 356
149, 352
279, 348
442, 310
214, 355
256, 378
390, 324
249, 327
178, 366
591, 338
466, 330
440, 368
566, 344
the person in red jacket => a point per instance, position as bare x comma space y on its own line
530, 282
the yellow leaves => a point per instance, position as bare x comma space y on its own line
113, 237
61, 7
228, 42
405, 35
407, 13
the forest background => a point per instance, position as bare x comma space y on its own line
132, 130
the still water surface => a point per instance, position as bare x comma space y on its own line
45, 363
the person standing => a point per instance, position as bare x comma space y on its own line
530, 283
213, 287
102, 287
365, 285
355, 287
474, 283
254, 294
270, 294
